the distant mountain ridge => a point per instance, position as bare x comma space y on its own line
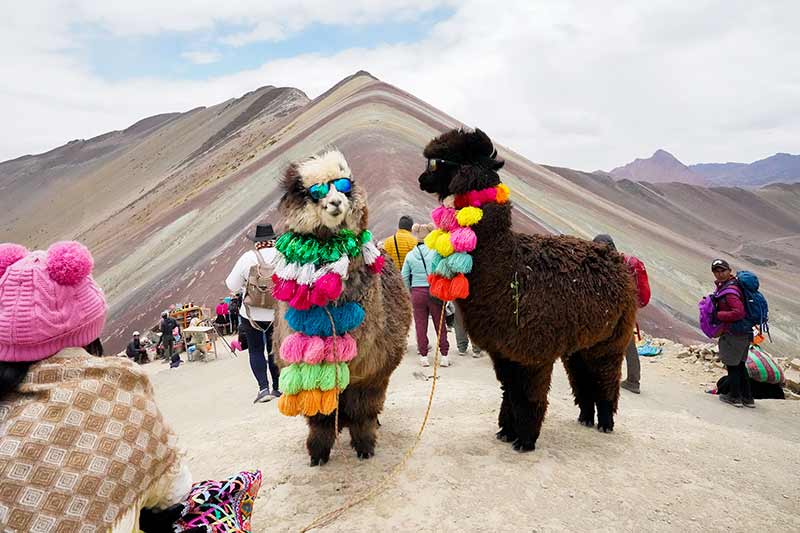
663, 167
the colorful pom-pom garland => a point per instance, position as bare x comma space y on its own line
454, 239
309, 275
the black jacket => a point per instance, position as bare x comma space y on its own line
134, 348
168, 325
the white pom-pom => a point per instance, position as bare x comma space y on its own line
370, 251
306, 274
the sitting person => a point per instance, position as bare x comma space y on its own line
199, 339
760, 391
136, 351
114, 460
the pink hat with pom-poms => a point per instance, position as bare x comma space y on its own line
48, 301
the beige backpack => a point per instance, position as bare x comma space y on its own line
258, 291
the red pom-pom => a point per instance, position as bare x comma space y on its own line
69, 263
377, 266
284, 289
440, 287
459, 287
316, 297
10, 254
330, 285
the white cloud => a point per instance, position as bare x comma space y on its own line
202, 58
587, 85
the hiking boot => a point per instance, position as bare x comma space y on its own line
423, 360
476, 352
632, 387
276, 393
462, 353
444, 361
726, 398
263, 396
751, 403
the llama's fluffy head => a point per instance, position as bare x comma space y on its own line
460, 161
316, 198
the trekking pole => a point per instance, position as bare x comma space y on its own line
222, 337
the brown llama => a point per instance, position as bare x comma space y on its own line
534, 298
322, 201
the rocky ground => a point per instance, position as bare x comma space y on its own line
678, 460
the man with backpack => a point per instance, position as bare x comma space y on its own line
737, 333
639, 273
252, 275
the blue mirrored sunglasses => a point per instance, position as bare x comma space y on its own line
321, 190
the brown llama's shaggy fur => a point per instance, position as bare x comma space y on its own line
381, 338
576, 300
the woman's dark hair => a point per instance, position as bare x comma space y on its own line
12, 374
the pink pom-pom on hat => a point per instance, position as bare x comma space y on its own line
10, 254
48, 301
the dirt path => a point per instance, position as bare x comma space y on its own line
679, 460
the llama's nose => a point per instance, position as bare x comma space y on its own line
335, 202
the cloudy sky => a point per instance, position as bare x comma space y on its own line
586, 84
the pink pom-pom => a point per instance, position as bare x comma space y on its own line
69, 263
236, 346
345, 349
377, 266
284, 289
445, 218
301, 299
293, 348
315, 350
487, 196
330, 285
463, 240
10, 254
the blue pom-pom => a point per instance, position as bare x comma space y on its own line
459, 263
315, 321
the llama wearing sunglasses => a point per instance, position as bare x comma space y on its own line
343, 313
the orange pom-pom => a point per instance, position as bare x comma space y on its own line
289, 404
310, 401
459, 287
502, 193
328, 404
440, 287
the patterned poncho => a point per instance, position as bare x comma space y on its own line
83, 447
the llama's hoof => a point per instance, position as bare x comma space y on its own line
506, 435
524, 445
605, 417
319, 461
365, 454
586, 421
605, 427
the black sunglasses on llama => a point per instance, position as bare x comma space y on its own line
321, 190
433, 164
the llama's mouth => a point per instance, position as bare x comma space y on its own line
333, 211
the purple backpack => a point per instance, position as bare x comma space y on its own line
712, 327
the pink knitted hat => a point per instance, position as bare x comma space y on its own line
48, 301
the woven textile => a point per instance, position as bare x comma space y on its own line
80, 442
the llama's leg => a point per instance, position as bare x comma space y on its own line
582, 387
505, 419
362, 406
528, 398
606, 371
321, 436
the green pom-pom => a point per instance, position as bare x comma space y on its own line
292, 379
460, 263
344, 375
327, 376
366, 236
311, 374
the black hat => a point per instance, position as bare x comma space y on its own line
605, 239
719, 264
264, 232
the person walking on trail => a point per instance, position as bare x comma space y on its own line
233, 312
639, 273
734, 343
254, 268
167, 326
462, 339
415, 271
222, 320
398, 245
136, 351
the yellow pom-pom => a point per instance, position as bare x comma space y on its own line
502, 193
430, 240
469, 216
289, 404
328, 404
443, 245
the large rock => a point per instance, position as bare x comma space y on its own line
793, 380
795, 363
